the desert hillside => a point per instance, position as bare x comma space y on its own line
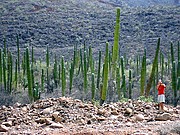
62, 24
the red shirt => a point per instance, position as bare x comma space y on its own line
161, 89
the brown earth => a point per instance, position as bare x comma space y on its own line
67, 116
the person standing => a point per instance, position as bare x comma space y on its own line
161, 94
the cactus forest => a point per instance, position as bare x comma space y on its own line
110, 78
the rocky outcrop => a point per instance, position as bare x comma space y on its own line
58, 113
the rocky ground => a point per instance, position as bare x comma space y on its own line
69, 116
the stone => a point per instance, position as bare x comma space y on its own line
55, 114
101, 112
114, 112
44, 120
163, 117
56, 125
139, 117
47, 111
8, 123
101, 118
3, 128
128, 111
58, 119
24, 109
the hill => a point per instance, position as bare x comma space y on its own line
62, 24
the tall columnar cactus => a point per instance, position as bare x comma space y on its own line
42, 80
123, 85
178, 66
99, 70
18, 53
55, 72
172, 54
143, 75
130, 84
59, 74
9, 72
150, 80
116, 44
162, 66
137, 64
5, 48
16, 73
122, 66
47, 64
63, 76
32, 57
174, 84
105, 76
118, 86
90, 60
29, 76
4, 72
178, 51
92, 87
85, 73
71, 77
81, 59
1, 65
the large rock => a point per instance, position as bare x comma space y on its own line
163, 117
139, 117
3, 128
56, 125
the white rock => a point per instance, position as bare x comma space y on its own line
163, 117
55, 114
3, 128
8, 123
47, 111
139, 117
128, 111
56, 125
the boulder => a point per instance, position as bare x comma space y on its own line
3, 128
139, 117
163, 117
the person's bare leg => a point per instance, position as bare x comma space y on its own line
160, 106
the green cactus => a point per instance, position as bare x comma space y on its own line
85, 73
55, 72
71, 77
105, 76
9, 72
36, 92
116, 44
16, 73
130, 84
29, 76
122, 66
63, 76
162, 66
123, 86
18, 53
1, 70
118, 86
92, 87
4, 72
174, 84
143, 75
42, 80
152, 74
172, 54
99, 70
